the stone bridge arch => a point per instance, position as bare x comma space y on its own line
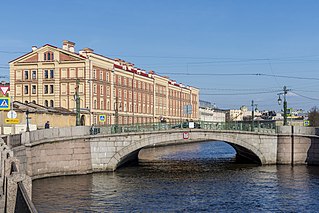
260, 148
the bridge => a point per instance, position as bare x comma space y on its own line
82, 150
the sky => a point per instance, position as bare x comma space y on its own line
233, 51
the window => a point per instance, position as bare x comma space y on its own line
34, 89
46, 89
80, 72
102, 105
72, 73
63, 89
51, 103
94, 88
46, 103
51, 89
108, 91
63, 73
34, 74
26, 74
95, 104
26, 89
51, 73
119, 80
46, 74
107, 77
19, 90
48, 56
94, 73
101, 90
34, 102
101, 75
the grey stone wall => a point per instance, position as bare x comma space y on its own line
297, 145
58, 158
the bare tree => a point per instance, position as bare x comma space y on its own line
313, 116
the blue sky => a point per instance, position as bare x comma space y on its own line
193, 42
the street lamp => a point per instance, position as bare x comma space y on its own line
284, 93
77, 103
253, 109
27, 113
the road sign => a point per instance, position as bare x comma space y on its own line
102, 118
12, 121
185, 135
187, 109
12, 114
4, 89
306, 123
4, 103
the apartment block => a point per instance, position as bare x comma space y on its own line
51, 76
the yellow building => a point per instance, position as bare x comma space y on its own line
50, 76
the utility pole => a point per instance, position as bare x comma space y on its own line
253, 109
27, 113
116, 115
77, 103
284, 93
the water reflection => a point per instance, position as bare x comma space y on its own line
195, 178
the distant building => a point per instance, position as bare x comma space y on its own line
241, 114
210, 113
50, 76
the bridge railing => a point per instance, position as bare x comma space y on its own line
261, 127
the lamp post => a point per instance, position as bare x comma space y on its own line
253, 109
284, 93
77, 103
116, 114
27, 113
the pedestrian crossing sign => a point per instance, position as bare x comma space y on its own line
102, 118
4, 103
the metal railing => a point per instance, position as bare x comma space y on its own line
259, 127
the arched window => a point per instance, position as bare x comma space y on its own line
48, 56
46, 103
51, 103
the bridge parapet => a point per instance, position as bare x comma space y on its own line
15, 186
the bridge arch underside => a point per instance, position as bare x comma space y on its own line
246, 152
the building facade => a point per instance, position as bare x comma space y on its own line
52, 76
208, 112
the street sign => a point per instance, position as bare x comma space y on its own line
185, 135
12, 121
4, 103
4, 89
12, 114
306, 123
187, 109
102, 118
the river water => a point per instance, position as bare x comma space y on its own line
200, 177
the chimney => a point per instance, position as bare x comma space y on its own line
34, 48
68, 45
86, 50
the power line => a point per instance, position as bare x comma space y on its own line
248, 93
314, 99
241, 74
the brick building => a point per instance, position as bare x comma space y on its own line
50, 75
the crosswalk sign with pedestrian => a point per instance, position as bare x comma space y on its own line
4, 103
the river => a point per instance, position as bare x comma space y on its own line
201, 177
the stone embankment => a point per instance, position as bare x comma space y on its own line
15, 185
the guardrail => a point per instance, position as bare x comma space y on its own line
259, 127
